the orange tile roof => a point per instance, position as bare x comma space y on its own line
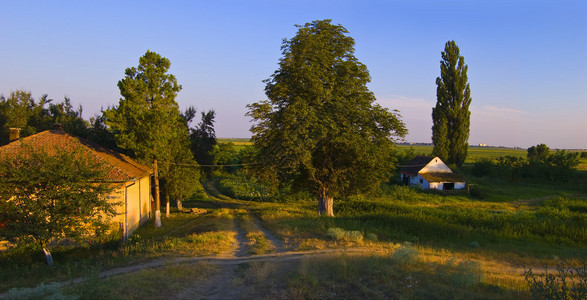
120, 167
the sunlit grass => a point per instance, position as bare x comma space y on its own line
376, 276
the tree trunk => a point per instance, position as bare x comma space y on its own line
166, 205
157, 202
179, 205
48, 256
325, 205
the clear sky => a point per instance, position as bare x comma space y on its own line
527, 59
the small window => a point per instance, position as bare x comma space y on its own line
421, 180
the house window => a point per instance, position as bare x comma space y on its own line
421, 180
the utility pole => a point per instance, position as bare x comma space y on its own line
157, 200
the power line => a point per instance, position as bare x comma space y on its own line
196, 165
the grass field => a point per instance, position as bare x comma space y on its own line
421, 244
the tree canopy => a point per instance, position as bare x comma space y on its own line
21, 110
147, 122
320, 127
538, 153
146, 119
451, 116
52, 194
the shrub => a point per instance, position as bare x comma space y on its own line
405, 254
340, 234
482, 167
567, 283
371, 237
584, 154
467, 273
475, 191
336, 233
474, 244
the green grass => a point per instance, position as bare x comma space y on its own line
181, 235
162, 283
369, 277
538, 229
473, 154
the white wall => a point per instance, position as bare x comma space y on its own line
436, 166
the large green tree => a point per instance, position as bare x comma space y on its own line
147, 121
52, 194
320, 128
451, 116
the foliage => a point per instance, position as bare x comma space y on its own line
239, 187
451, 116
568, 283
405, 254
226, 154
482, 167
584, 154
183, 178
538, 153
558, 165
21, 110
147, 119
148, 123
56, 194
203, 140
340, 234
320, 128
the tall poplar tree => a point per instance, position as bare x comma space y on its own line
451, 116
320, 128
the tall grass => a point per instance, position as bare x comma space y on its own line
181, 235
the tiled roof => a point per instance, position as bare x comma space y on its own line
120, 167
415, 165
442, 177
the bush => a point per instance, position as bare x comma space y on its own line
371, 237
584, 154
405, 254
340, 234
567, 283
336, 233
482, 167
475, 191
467, 273
239, 187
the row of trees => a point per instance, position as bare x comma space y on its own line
146, 124
540, 163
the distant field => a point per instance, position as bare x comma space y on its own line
475, 153
236, 141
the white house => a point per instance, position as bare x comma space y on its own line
430, 172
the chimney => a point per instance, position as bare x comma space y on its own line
14, 134
57, 126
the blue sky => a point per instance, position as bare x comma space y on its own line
527, 59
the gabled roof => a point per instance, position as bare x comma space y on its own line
442, 177
415, 165
119, 166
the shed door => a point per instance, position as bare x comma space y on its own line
447, 186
